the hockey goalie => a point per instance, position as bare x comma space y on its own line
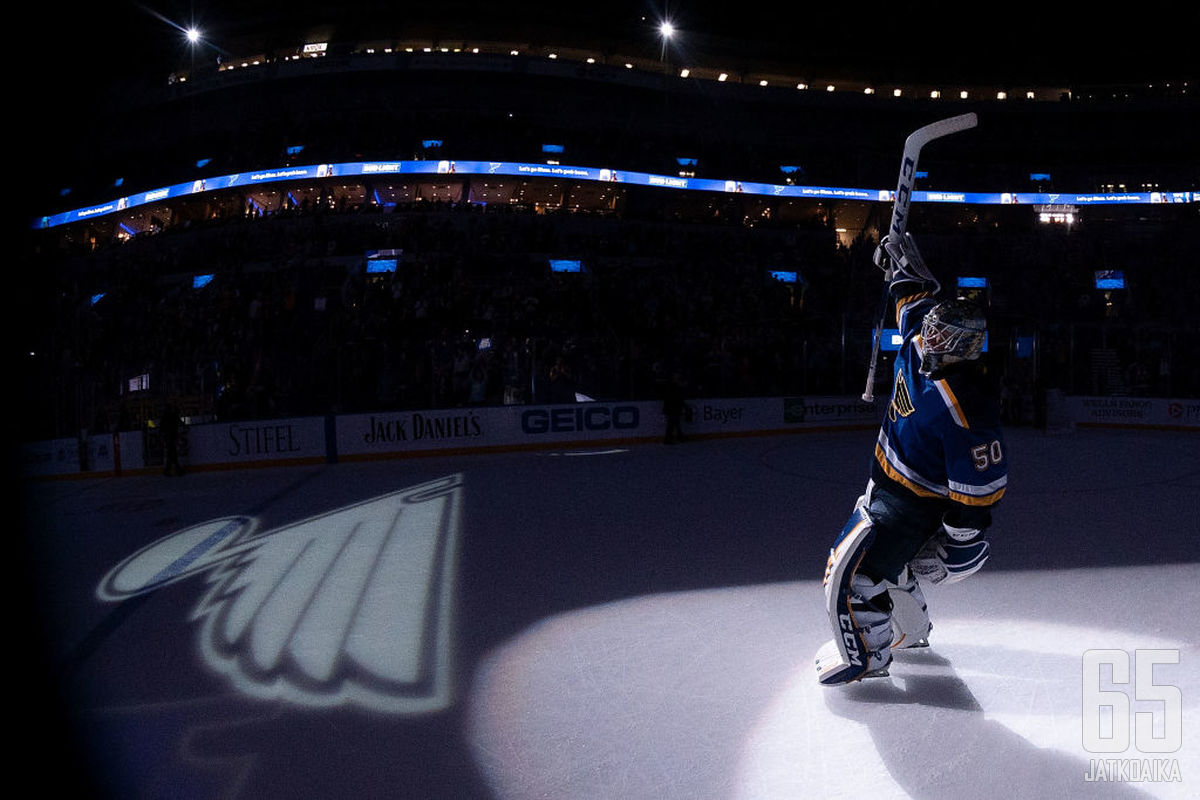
938, 471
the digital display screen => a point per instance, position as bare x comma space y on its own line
200, 281
369, 169
381, 265
1110, 279
785, 276
972, 283
565, 265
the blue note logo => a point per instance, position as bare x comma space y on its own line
353, 607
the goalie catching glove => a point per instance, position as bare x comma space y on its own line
900, 260
951, 555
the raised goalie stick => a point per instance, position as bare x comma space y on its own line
904, 189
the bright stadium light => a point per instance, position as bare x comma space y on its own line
666, 30
193, 35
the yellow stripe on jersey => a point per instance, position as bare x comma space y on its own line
948, 396
971, 500
912, 298
952, 403
959, 497
899, 478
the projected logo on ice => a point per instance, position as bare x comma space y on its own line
349, 607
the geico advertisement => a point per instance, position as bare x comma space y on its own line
587, 419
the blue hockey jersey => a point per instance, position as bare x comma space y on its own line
941, 437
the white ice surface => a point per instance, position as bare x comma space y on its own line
587, 673
711, 694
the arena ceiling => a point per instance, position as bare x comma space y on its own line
1066, 43
70, 67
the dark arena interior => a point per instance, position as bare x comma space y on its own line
440, 215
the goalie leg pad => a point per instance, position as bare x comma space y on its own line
859, 609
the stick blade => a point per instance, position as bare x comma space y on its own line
943, 127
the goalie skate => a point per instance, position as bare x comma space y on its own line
831, 669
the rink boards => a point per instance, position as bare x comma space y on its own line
392, 434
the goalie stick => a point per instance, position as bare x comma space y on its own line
899, 224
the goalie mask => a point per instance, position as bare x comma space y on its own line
953, 331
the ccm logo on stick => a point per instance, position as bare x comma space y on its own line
582, 418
